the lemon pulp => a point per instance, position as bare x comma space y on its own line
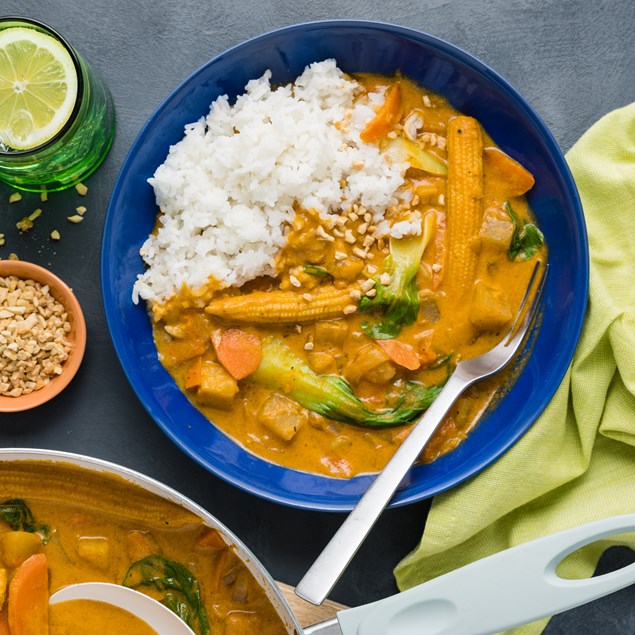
38, 87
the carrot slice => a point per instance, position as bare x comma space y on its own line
4, 625
193, 375
386, 118
28, 604
517, 179
239, 352
400, 353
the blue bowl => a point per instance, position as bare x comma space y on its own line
473, 88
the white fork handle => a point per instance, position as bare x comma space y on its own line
511, 588
331, 563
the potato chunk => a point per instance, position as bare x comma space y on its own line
217, 387
282, 416
497, 229
490, 308
368, 357
331, 333
95, 550
17, 546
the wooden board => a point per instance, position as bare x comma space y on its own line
307, 613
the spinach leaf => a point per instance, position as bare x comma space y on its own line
181, 589
526, 239
16, 513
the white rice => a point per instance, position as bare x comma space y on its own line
227, 190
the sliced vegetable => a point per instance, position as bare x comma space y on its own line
331, 396
28, 603
399, 299
518, 180
386, 118
314, 270
238, 351
16, 513
490, 308
95, 550
181, 592
282, 307
192, 379
464, 194
17, 546
402, 150
400, 353
526, 240
218, 388
282, 416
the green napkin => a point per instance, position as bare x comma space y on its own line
577, 462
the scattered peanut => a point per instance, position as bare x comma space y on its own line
82, 190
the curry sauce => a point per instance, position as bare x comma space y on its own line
96, 527
463, 206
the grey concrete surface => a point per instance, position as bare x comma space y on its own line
573, 60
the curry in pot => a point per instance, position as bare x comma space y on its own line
60, 525
324, 367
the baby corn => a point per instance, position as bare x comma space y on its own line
464, 194
281, 307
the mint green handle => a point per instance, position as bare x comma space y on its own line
513, 587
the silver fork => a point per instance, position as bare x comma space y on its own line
319, 580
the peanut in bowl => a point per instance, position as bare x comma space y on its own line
42, 335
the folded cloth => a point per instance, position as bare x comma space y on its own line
577, 462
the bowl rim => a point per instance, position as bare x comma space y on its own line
567, 184
63, 294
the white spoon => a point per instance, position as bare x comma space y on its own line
148, 610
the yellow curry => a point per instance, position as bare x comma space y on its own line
60, 525
323, 367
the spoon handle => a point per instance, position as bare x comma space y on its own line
500, 592
319, 580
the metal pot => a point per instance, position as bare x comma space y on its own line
505, 590
151, 485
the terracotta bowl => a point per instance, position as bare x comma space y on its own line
77, 336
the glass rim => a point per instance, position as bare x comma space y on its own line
80, 85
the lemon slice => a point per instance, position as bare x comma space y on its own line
38, 87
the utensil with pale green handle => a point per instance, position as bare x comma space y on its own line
510, 588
